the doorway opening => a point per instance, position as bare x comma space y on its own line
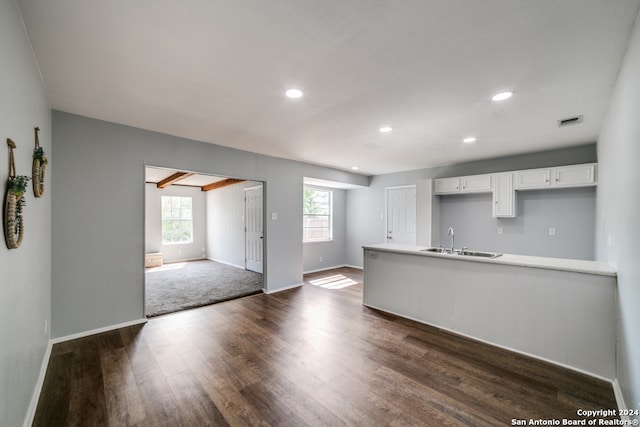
204, 240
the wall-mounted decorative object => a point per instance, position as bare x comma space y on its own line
14, 202
39, 165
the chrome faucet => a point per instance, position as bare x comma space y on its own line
451, 233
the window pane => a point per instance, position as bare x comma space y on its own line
177, 219
316, 220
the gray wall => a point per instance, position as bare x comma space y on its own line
225, 224
365, 207
332, 253
25, 273
618, 213
98, 214
570, 211
153, 223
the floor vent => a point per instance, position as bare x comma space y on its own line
570, 121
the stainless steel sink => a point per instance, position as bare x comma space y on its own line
437, 250
479, 254
462, 252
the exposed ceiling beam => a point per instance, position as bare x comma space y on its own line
220, 184
173, 179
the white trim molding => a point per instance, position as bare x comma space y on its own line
226, 263
31, 411
622, 406
98, 330
275, 291
327, 268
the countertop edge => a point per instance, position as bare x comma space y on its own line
561, 264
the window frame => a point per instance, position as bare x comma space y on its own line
329, 228
173, 220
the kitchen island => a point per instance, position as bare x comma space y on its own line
559, 310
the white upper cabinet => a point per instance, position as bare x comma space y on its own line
477, 184
464, 184
447, 186
558, 177
504, 197
504, 185
533, 178
577, 175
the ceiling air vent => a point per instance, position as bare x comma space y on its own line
570, 121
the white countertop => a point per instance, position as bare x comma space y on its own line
564, 264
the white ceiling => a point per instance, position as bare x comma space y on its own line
216, 71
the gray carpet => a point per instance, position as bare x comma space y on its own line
178, 286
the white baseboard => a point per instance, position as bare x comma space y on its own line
175, 261
226, 263
357, 267
97, 331
31, 411
331, 268
323, 269
622, 406
275, 291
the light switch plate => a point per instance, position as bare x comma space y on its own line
552, 231
274, 215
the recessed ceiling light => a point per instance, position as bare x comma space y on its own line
502, 96
294, 93
386, 129
469, 140
355, 168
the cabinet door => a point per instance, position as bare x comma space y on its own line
504, 196
533, 178
476, 184
577, 175
447, 185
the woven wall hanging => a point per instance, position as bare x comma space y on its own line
14, 202
39, 165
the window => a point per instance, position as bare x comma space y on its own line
316, 215
177, 220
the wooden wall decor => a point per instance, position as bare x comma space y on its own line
14, 202
39, 165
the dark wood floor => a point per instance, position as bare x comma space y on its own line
308, 356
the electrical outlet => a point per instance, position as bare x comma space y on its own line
552, 231
46, 326
499, 230
320, 259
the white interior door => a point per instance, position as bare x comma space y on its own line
401, 215
253, 228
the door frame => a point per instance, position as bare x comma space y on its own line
254, 187
143, 201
